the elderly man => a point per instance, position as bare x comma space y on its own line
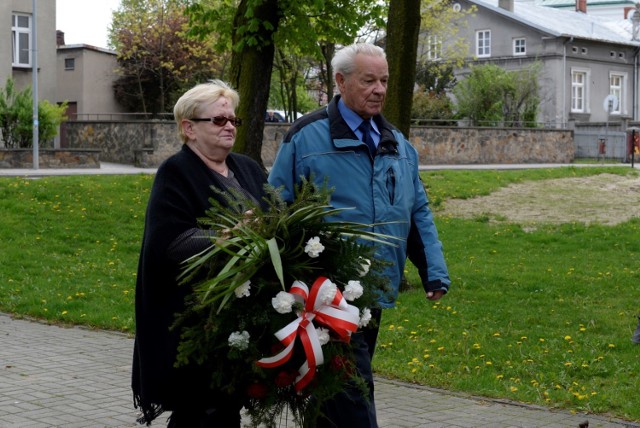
374, 169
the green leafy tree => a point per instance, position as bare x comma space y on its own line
252, 28
438, 21
434, 76
16, 117
431, 103
157, 60
492, 96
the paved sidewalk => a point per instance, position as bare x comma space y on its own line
71, 377
119, 169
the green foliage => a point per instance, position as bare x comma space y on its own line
492, 96
157, 60
431, 108
441, 22
254, 28
16, 117
435, 76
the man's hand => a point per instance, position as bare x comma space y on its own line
435, 295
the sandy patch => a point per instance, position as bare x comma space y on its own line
606, 199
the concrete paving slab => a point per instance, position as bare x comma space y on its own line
55, 376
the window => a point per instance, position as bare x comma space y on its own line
483, 43
617, 88
579, 93
69, 63
519, 46
21, 40
434, 48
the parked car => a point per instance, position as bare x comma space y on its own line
278, 116
273, 116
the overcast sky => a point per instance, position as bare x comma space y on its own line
85, 21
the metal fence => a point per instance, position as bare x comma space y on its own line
601, 141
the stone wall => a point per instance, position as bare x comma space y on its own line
141, 143
147, 144
448, 146
50, 158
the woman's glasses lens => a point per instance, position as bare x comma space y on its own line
222, 121
219, 120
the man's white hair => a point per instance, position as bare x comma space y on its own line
343, 61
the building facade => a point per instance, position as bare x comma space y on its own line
85, 81
16, 45
589, 66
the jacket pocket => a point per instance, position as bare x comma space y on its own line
391, 185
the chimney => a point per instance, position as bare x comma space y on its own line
581, 6
627, 11
59, 38
506, 5
635, 23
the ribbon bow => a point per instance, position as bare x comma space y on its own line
339, 316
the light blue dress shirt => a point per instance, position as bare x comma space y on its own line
354, 121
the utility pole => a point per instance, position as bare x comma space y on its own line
34, 64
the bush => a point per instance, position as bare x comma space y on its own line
429, 108
16, 117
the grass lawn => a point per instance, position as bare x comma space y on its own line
542, 316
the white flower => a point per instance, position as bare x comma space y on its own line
323, 335
328, 293
243, 290
283, 302
239, 340
314, 247
353, 290
365, 317
364, 266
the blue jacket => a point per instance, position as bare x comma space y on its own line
386, 190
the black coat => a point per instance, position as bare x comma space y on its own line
179, 197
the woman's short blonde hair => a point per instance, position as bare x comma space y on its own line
196, 99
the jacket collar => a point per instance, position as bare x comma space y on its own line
344, 137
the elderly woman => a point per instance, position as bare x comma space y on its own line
180, 195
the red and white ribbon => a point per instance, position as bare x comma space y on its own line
339, 316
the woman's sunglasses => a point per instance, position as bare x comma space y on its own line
219, 120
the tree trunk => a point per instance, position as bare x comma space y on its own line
328, 50
251, 75
403, 27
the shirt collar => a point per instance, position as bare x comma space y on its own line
352, 118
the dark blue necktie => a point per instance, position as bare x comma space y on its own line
365, 128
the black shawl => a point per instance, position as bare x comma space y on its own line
179, 196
